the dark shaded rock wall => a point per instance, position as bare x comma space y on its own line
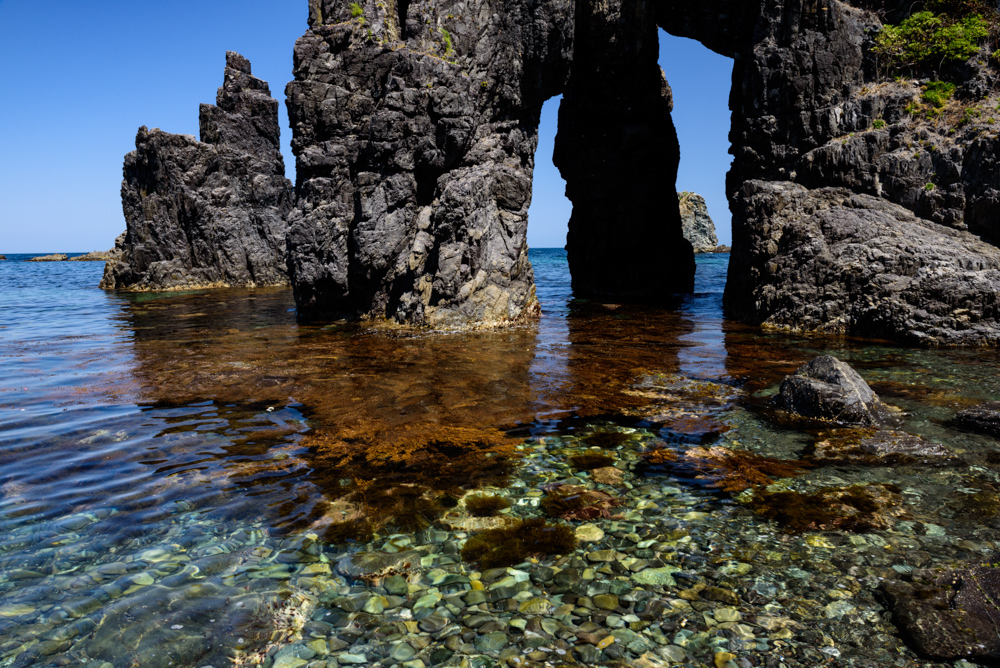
617, 150
208, 213
415, 129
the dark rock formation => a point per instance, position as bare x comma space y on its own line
415, 128
55, 257
93, 256
209, 213
883, 447
832, 260
828, 389
950, 614
814, 107
3, 257
617, 148
982, 419
696, 224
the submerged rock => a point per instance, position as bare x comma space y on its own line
207, 213
697, 224
372, 565
949, 614
983, 419
829, 389
883, 447
55, 257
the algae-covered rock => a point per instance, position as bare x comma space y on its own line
883, 447
370, 565
949, 614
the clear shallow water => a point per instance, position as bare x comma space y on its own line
157, 499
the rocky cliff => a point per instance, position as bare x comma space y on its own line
893, 251
864, 186
415, 127
696, 224
207, 213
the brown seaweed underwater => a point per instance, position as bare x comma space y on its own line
194, 479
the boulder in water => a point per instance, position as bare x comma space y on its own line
828, 389
55, 257
982, 419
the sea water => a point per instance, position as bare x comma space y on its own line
161, 503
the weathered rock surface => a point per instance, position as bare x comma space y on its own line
832, 260
950, 614
55, 257
697, 224
415, 127
812, 106
3, 257
93, 256
883, 447
829, 389
415, 130
983, 419
208, 213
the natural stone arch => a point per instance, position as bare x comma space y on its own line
415, 159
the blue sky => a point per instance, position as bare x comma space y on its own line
78, 79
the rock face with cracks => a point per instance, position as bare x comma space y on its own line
209, 213
415, 126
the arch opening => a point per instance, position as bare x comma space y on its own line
701, 83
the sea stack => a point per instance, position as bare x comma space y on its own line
209, 213
696, 223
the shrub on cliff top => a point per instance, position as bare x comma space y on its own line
930, 40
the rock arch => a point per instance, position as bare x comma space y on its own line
415, 152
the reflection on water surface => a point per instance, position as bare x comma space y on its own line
165, 488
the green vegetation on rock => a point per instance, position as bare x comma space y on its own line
929, 40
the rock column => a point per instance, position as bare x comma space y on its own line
617, 150
207, 213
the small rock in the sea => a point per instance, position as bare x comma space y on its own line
982, 419
720, 595
589, 533
491, 642
663, 576
606, 601
727, 615
829, 389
